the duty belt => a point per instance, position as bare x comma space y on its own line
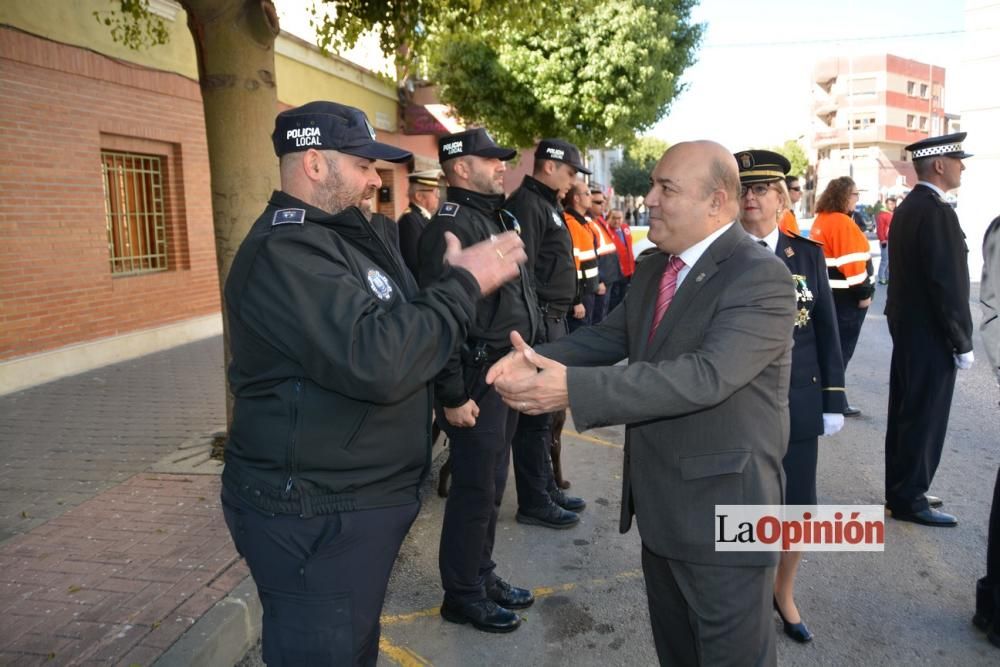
551, 311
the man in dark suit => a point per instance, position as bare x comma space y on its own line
424, 195
704, 396
927, 309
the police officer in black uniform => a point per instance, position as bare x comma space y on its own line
478, 423
552, 272
816, 397
927, 308
424, 195
333, 350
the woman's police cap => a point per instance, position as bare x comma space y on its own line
476, 142
332, 127
759, 166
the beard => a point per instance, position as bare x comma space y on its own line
334, 195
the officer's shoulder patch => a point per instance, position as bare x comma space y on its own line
289, 216
380, 284
449, 209
556, 218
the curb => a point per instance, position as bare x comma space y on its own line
223, 635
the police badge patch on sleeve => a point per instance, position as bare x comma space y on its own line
379, 284
449, 209
289, 216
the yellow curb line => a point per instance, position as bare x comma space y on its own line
400, 655
590, 438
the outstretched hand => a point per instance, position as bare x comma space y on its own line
492, 262
529, 382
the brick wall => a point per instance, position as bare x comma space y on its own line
60, 106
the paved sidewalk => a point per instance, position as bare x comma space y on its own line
102, 560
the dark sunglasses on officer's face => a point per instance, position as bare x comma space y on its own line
508, 221
796, 188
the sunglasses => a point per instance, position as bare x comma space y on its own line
797, 188
508, 221
758, 189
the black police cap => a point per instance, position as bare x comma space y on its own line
561, 151
330, 126
476, 142
947, 145
760, 166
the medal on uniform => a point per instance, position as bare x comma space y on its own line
803, 295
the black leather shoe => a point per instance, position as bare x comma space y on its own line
851, 411
571, 503
550, 516
933, 501
485, 615
985, 606
797, 631
510, 597
928, 517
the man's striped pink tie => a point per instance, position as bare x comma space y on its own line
668, 286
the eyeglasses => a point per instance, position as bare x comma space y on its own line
508, 221
758, 189
855, 194
797, 188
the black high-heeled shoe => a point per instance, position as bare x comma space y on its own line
797, 631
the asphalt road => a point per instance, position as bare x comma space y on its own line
910, 605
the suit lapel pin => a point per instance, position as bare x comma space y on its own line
699, 277
789, 252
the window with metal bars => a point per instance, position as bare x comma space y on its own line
134, 208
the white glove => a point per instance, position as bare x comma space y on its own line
964, 360
832, 423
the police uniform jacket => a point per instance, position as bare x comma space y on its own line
333, 351
473, 217
411, 226
817, 383
929, 269
550, 264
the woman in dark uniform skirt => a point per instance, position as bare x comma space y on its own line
816, 398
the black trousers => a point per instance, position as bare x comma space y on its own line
849, 321
321, 580
532, 440
601, 302
710, 615
921, 384
480, 457
618, 290
993, 545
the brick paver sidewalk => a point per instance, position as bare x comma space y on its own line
101, 561
119, 578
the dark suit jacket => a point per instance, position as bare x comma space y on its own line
706, 403
817, 364
411, 226
929, 267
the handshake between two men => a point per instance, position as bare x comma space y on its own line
528, 381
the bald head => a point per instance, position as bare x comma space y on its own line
695, 191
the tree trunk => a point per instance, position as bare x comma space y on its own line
234, 41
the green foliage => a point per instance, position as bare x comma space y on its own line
595, 74
403, 28
793, 151
631, 175
133, 24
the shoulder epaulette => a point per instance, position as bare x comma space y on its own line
449, 209
289, 216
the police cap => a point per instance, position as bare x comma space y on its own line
948, 145
476, 142
759, 166
330, 126
560, 151
431, 177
